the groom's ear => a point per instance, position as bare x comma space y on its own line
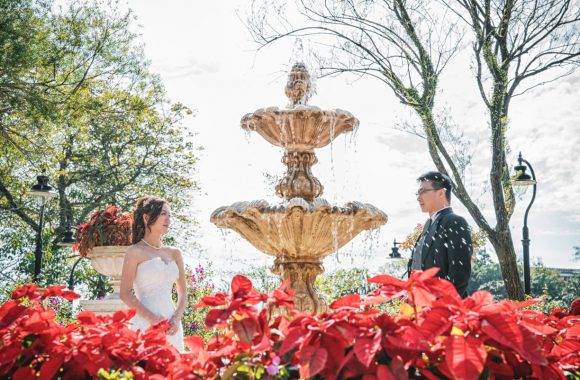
145, 218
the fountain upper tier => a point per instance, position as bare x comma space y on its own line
300, 127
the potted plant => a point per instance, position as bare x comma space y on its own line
104, 239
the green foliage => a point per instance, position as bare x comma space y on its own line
16, 241
199, 284
17, 261
342, 282
244, 369
65, 313
115, 374
555, 290
486, 275
77, 99
263, 278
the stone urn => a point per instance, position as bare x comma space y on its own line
108, 261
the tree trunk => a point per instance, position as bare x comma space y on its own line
500, 236
65, 209
503, 244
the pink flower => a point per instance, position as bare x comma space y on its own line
272, 369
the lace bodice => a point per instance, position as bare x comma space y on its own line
154, 279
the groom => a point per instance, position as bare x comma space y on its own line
446, 239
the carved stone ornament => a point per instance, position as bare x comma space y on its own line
304, 229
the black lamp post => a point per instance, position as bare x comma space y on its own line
520, 178
68, 239
71, 277
43, 192
395, 250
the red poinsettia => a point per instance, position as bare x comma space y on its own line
35, 346
436, 335
109, 226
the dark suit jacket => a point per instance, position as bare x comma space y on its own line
448, 246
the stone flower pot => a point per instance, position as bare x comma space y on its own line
108, 261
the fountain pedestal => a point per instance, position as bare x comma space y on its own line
299, 181
301, 275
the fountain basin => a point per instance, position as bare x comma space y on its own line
298, 229
302, 128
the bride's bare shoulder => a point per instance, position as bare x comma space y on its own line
134, 252
175, 252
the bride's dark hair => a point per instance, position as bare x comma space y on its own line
150, 206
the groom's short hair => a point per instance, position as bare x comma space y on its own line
439, 181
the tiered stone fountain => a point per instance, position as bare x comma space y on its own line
304, 228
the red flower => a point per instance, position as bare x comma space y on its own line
110, 226
436, 335
31, 291
60, 291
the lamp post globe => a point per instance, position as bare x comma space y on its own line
395, 254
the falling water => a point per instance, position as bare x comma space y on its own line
247, 136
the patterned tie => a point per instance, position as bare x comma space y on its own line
416, 264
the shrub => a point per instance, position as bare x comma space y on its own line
109, 226
435, 335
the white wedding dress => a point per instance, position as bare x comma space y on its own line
153, 284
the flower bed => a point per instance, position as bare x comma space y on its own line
435, 335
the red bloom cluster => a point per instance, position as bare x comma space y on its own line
436, 335
35, 346
109, 226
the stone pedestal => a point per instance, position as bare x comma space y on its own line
301, 275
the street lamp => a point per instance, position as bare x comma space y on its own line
43, 192
68, 241
520, 178
395, 250
67, 237
71, 277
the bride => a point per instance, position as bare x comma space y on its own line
151, 270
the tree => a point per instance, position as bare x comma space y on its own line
546, 282
407, 44
79, 100
343, 282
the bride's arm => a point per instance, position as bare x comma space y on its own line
128, 276
180, 286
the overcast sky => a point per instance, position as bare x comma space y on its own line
207, 61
